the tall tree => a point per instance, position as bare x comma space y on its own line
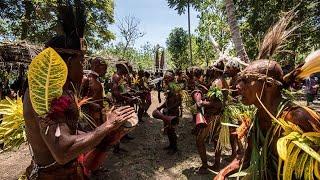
235, 31
177, 44
181, 6
35, 20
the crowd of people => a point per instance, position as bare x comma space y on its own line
73, 138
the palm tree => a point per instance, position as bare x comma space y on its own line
180, 6
235, 32
189, 29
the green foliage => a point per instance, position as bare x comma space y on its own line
36, 21
215, 92
12, 131
177, 44
141, 58
175, 87
213, 19
256, 16
47, 75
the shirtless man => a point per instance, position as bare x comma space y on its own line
171, 108
148, 92
264, 78
121, 94
182, 81
55, 143
143, 91
213, 108
231, 70
120, 89
92, 88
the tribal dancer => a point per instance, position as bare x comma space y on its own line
92, 88
182, 82
170, 108
148, 92
210, 108
159, 85
121, 94
190, 79
232, 68
282, 133
120, 87
264, 78
143, 91
58, 149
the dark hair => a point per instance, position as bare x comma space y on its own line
147, 74
198, 72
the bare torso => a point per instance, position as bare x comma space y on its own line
93, 89
36, 129
41, 153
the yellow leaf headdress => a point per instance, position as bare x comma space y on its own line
46, 76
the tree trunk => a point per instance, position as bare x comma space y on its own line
189, 28
235, 32
26, 19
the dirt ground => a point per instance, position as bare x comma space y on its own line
145, 158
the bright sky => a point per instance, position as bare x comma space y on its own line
156, 19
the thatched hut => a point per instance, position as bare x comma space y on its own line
18, 52
14, 60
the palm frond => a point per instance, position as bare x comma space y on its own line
12, 127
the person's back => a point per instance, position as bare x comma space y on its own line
41, 153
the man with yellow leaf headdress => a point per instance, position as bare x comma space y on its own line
51, 108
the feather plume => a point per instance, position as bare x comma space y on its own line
73, 22
66, 17
311, 66
277, 35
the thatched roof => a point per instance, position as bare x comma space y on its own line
18, 52
23, 53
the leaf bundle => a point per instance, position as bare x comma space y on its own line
12, 128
